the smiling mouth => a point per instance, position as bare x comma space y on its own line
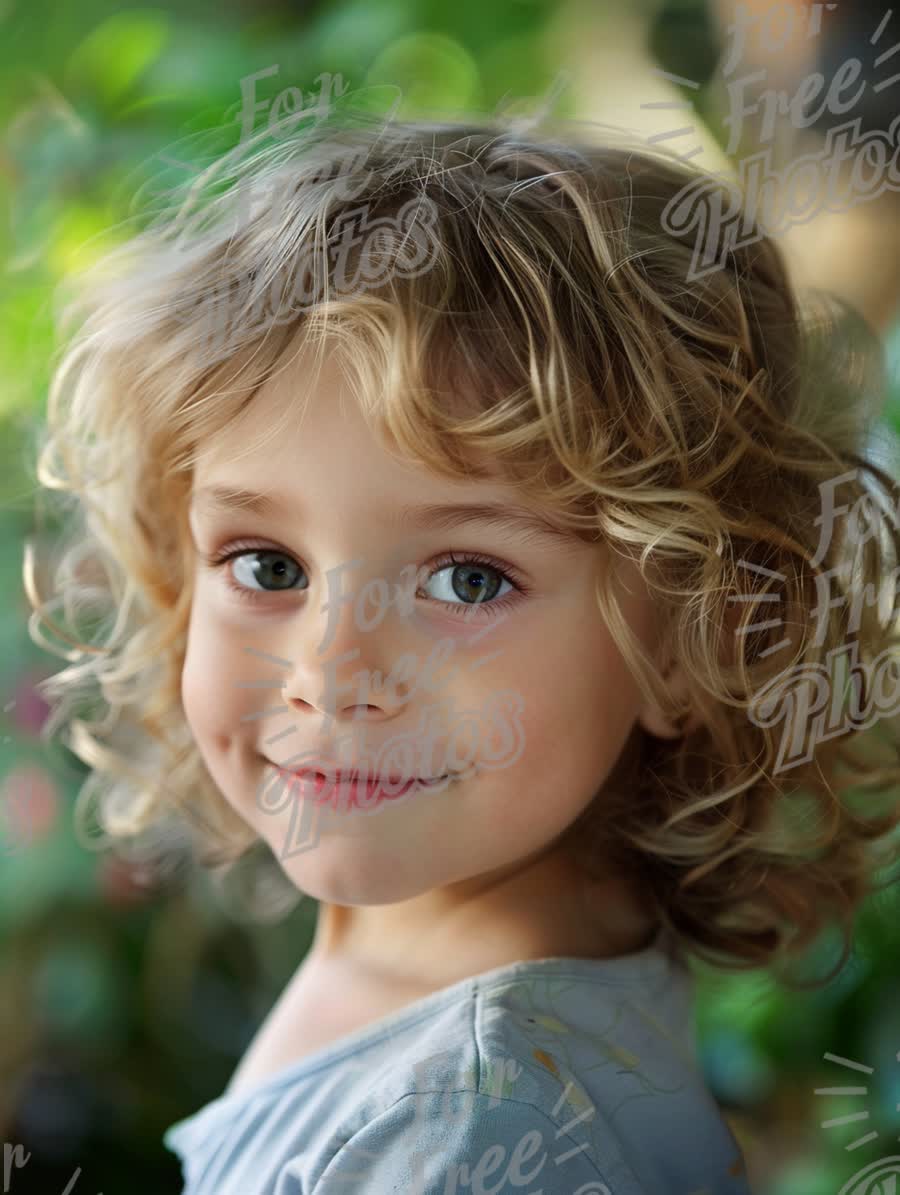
346, 789
353, 776
356, 785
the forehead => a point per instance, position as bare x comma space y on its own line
306, 422
290, 404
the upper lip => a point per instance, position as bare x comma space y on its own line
332, 771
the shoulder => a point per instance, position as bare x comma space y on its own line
452, 1142
558, 1080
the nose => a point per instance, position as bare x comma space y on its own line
378, 698
356, 679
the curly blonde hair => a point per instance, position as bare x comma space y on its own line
530, 299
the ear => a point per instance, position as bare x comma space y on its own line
652, 718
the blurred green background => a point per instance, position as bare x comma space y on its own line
127, 998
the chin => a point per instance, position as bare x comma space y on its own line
351, 871
349, 888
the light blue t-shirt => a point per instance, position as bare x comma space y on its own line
555, 1076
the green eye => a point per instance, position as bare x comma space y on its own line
469, 580
472, 580
270, 568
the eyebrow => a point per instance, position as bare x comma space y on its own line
217, 499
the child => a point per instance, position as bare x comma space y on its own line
389, 365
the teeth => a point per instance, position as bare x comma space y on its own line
354, 776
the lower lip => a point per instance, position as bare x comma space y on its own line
350, 794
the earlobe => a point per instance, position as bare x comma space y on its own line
654, 721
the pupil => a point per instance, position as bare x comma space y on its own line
474, 585
270, 568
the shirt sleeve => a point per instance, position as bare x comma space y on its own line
463, 1143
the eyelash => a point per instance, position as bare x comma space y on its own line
219, 559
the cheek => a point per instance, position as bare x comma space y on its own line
211, 701
583, 681
192, 694
579, 708
210, 692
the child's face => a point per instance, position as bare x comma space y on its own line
570, 700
